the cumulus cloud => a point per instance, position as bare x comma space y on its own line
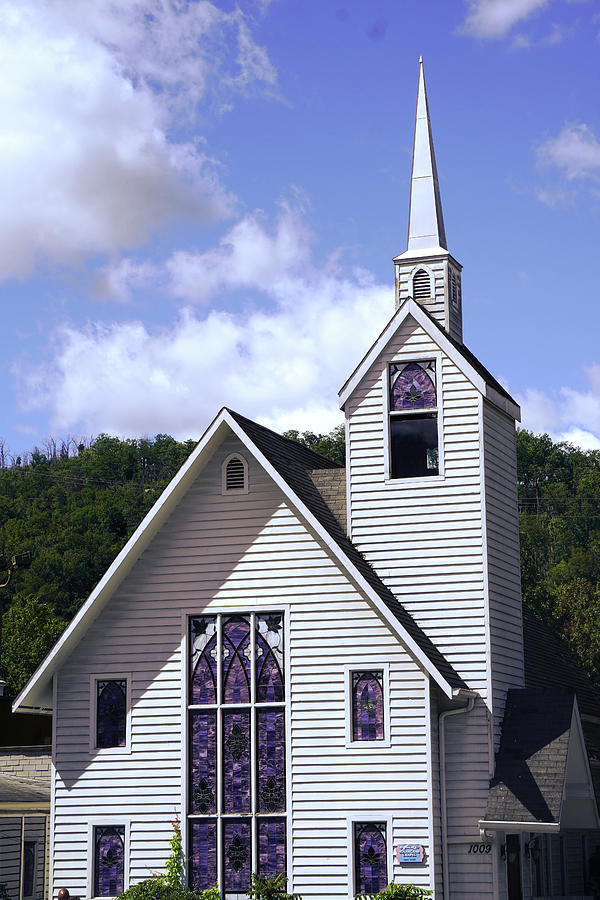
87, 161
575, 151
284, 366
569, 415
494, 18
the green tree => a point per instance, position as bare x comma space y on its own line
29, 629
332, 445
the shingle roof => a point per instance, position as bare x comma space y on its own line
23, 790
294, 463
531, 763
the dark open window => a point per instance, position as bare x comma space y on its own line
413, 420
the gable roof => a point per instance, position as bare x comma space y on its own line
289, 464
462, 357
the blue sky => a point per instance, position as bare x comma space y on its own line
201, 202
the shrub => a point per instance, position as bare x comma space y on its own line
4, 895
158, 889
398, 892
175, 867
270, 887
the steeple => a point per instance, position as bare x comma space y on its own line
425, 218
426, 271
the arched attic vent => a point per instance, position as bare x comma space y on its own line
421, 285
235, 474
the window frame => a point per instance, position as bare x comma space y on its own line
366, 817
34, 872
388, 415
224, 464
104, 821
367, 746
186, 817
109, 751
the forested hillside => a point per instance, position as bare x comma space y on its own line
74, 508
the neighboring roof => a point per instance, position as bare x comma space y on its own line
466, 361
331, 484
548, 664
24, 791
292, 463
531, 764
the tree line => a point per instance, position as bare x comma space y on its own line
73, 505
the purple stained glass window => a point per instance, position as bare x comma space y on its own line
203, 640
269, 658
271, 846
370, 857
236, 761
367, 706
202, 860
236, 660
109, 860
270, 728
203, 761
111, 713
237, 855
412, 386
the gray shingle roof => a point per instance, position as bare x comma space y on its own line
531, 763
23, 790
295, 463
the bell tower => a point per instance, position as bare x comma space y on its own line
426, 271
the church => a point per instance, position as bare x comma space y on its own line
327, 671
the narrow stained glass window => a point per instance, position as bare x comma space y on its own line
271, 760
28, 867
412, 386
271, 846
203, 855
370, 857
111, 713
203, 659
203, 761
237, 855
236, 761
236, 660
367, 706
269, 658
109, 860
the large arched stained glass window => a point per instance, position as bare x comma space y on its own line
370, 857
111, 713
367, 706
109, 860
237, 796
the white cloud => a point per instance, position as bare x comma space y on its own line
494, 18
575, 151
87, 163
569, 415
284, 366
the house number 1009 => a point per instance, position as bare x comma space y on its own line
480, 848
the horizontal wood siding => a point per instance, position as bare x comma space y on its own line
10, 853
239, 552
504, 576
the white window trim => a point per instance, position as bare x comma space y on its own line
368, 816
367, 746
421, 479
93, 822
224, 488
209, 610
110, 751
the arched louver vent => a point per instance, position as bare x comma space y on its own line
421, 285
235, 475
453, 289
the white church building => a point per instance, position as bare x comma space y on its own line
327, 671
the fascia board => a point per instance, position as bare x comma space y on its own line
347, 566
411, 308
577, 730
30, 698
503, 403
519, 826
29, 807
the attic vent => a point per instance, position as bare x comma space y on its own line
421, 285
235, 475
453, 289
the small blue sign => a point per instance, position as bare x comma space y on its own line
410, 853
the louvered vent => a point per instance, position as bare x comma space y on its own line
421, 285
235, 475
453, 289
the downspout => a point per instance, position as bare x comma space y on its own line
471, 695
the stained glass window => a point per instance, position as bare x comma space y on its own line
111, 713
367, 706
370, 857
237, 746
413, 419
109, 860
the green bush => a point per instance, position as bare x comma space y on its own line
4, 895
397, 892
270, 887
159, 889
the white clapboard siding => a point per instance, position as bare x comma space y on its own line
504, 575
239, 553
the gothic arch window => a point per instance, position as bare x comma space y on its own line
370, 857
234, 474
421, 284
109, 860
367, 706
237, 758
413, 415
111, 713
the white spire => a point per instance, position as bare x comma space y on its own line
425, 219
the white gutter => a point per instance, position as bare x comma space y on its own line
471, 695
